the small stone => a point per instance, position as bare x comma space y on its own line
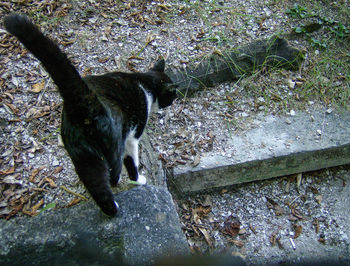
291, 84
104, 38
288, 121
318, 198
261, 99
324, 79
329, 110
292, 112
318, 132
55, 163
147, 227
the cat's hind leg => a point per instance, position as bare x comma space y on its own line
115, 170
94, 173
131, 160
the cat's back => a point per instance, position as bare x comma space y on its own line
116, 86
122, 94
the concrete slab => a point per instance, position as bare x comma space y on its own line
275, 146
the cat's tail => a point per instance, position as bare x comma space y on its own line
54, 60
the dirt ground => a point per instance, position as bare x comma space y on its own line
253, 220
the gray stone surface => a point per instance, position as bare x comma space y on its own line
147, 226
274, 146
151, 166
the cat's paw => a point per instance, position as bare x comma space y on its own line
141, 180
114, 181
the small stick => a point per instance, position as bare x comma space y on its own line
74, 193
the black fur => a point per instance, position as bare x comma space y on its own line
99, 112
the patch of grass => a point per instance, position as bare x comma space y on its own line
41, 18
336, 27
329, 78
51, 205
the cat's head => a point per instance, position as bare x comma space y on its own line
163, 88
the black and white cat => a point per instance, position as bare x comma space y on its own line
103, 116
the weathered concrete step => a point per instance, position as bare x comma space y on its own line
146, 226
275, 146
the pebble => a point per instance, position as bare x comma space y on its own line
318, 132
288, 121
261, 99
291, 84
292, 112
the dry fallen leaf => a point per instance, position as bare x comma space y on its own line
297, 230
104, 59
206, 236
51, 182
322, 239
271, 204
297, 214
201, 211
7, 171
38, 87
223, 191
252, 228
316, 223
272, 238
73, 202
238, 243
231, 226
11, 108
58, 170
12, 179
299, 177
275, 237
34, 209
196, 160
38, 205
34, 173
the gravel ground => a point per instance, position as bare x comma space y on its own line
258, 220
101, 37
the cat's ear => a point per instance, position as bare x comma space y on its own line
159, 66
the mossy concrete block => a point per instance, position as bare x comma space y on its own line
275, 146
230, 65
146, 227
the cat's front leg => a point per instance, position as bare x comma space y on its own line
131, 160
